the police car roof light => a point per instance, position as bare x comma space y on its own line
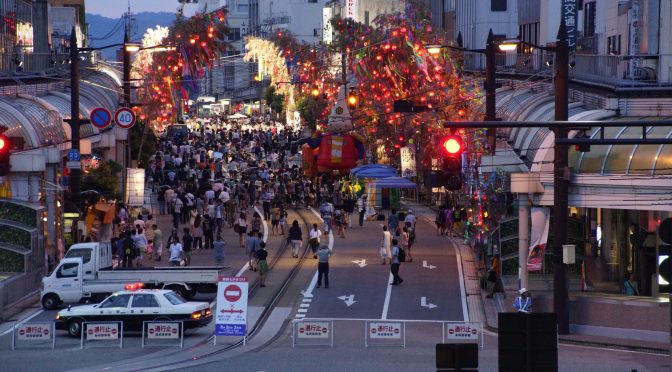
133, 286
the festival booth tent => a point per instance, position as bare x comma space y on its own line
375, 171
384, 192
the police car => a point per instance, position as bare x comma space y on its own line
134, 306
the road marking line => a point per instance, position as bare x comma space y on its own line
29, 317
307, 299
463, 292
300, 316
303, 310
304, 305
243, 269
386, 305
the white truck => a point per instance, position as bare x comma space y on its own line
86, 274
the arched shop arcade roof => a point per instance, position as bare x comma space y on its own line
39, 119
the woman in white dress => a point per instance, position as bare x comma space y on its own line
386, 246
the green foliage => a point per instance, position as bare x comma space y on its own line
104, 179
148, 146
309, 109
15, 236
11, 262
18, 213
275, 101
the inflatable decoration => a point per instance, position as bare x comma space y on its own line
340, 148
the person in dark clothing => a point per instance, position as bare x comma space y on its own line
208, 232
128, 253
323, 255
187, 241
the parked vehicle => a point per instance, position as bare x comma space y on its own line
86, 274
133, 307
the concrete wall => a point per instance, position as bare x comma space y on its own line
474, 20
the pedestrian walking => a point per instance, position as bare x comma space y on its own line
323, 255
396, 263
218, 248
187, 245
262, 264
295, 237
393, 222
128, 252
314, 239
158, 242
139, 244
386, 246
339, 220
326, 212
361, 207
177, 212
405, 243
197, 232
208, 232
175, 251
251, 245
493, 275
241, 228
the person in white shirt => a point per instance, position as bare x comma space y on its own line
224, 196
314, 239
175, 252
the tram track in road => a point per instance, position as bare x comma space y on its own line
268, 307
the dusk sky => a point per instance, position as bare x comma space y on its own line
115, 8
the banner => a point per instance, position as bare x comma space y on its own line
541, 220
408, 168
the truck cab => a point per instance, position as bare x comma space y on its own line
94, 256
64, 284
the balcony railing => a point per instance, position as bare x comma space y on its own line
637, 71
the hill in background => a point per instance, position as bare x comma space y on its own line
113, 29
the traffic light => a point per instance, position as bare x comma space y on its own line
4, 155
452, 147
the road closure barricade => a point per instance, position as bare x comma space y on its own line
102, 334
383, 332
34, 335
306, 332
163, 333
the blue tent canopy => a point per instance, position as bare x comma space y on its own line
374, 171
393, 183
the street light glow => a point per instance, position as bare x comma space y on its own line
131, 47
508, 45
434, 49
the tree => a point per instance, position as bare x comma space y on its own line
274, 100
310, 110
104, 179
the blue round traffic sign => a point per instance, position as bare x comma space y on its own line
74, 155
100, 117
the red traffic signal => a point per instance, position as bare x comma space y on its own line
451, 145
4, 144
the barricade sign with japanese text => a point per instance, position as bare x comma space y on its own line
463, 332
231, 317
313, 332
384, 333
163, 333
103, 334
33, 334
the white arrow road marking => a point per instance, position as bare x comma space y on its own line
423, 303
425, 265
349, 300
361, 263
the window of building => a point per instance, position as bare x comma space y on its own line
242, 8
614, 45
498, 5
448, 5
234, 35
529, 33
589, 19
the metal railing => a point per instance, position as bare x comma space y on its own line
28, 63
616, 71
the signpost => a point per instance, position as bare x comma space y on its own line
74, 159
102, 331
313, 331
100, 117
463, 332
33, 334
384, 333
162, 331
124, 117
231, 316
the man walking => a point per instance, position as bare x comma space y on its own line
395, 263
323, 255
158, 242
361, 207
177, 212
326, 212
187, 241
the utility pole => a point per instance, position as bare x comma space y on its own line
491, 90
561, 181
126, 103
75, 173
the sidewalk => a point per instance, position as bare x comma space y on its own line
485, 310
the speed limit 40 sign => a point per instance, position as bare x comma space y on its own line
124, 117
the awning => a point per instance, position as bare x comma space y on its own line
374, 171
392, 183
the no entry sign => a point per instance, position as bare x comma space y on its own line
231, 316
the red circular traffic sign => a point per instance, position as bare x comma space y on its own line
124, 117
232, 293
100, 117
